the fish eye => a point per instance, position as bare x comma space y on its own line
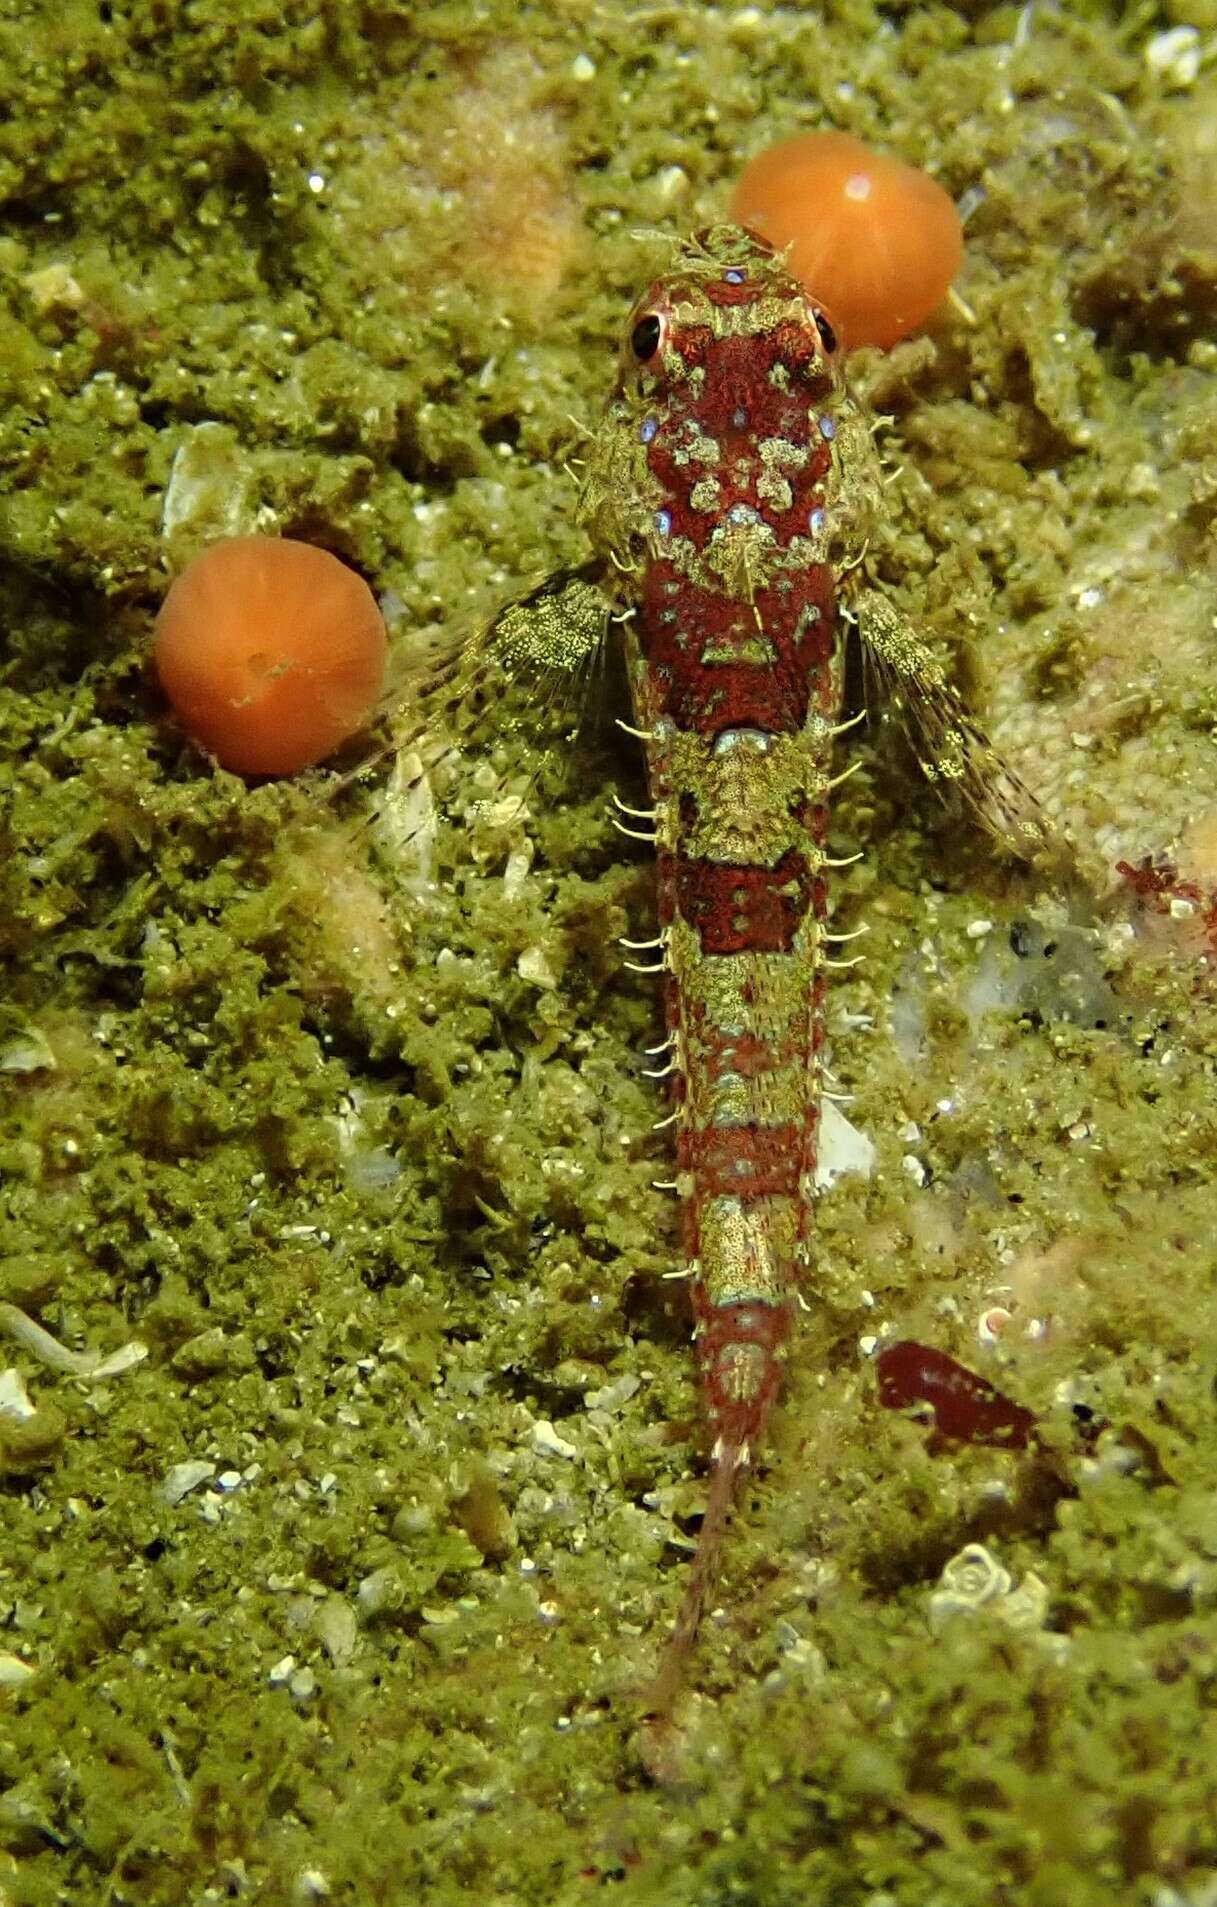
828, 337
646, 336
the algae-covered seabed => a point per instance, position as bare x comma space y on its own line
336, 1105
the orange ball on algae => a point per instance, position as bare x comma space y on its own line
272, 653
875, 241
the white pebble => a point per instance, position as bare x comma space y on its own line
13, 1671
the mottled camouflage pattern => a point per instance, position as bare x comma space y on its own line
731, 485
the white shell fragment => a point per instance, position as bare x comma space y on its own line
185, 1477
26, 1050
208, 484
533, 966
841, 1148
15, 1400
14, 1673
613, 1396
1174, 56
547, 1442
88, 1364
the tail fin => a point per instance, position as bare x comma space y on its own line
741, 1347
661, 1696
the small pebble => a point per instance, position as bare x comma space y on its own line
310, 1884
380, 1591
338, 1629
302, 1686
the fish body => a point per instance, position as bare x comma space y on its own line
729, 486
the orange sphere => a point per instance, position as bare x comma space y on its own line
877, 241
272, 653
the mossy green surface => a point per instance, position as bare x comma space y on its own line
342, 1115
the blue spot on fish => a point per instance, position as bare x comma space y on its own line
649, 429
817, 520
663, 522
734, 275
828, 428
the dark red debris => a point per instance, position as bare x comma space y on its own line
966, 1407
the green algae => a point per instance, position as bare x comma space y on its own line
352, 1142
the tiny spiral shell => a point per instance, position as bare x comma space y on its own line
969, 1580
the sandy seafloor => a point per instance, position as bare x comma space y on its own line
333, 1098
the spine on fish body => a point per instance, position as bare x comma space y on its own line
715, 487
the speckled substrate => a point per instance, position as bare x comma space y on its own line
340, 1113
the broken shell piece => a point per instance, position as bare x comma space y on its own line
1026, 1608
547, 1442
90, 1365
970, 1580
842, 1148
182, 1478
185, 1476
15, 1400
13, 1671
